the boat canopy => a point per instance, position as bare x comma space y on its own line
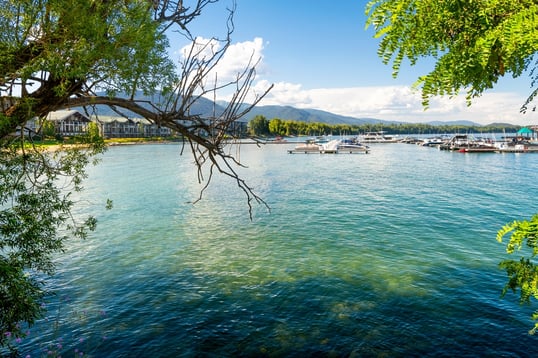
525, 130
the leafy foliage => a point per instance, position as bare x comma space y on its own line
259, 125
474, 43
61, 54
35, 221
522, 273
114, 43
277, 126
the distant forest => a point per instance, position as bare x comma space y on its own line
261, 126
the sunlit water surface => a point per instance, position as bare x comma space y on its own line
392, 253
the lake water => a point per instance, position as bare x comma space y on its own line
391, 253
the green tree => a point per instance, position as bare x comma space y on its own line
259, 125
47, 129
34, 224
522, 273
92, 132
474, 44
276, 127
59, 54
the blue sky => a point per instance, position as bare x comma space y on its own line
319, 55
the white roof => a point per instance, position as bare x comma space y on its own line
110, 119
59, 115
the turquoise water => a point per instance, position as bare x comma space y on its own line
392, 253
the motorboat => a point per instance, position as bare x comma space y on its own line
352, 146
433, 142
337, 146
308, 147
377, 137
467, 143
457, 142
478, 148
515, 147
331, 147
334, 146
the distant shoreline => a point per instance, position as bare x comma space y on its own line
126, 142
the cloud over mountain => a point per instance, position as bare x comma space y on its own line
390, 103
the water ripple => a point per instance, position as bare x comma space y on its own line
387, 254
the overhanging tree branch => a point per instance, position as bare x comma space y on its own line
65, 54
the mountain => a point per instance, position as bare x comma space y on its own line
207, 108
307, 115
454, 123
507, 125
203, 107
315, 115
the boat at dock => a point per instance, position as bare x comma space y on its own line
411, 140
516, 148
525, 141
377, 137
433, 142
467, 143
457, 142
306, 148
334, 146
331, 147
478, 149
352, 146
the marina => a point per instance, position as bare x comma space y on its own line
185, 179
462, 143
525, 141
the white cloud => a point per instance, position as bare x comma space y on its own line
398, 103
238, 57
285, 94
401, 103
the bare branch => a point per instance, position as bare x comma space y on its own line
206, 135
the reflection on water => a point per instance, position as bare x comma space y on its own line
391, 253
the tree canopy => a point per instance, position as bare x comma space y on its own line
281, 127
522, 273
474, 43
60, 54
83, 53
259, 125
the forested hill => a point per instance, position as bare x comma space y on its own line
308, 115
206, 108
319, 116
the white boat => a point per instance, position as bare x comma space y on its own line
334, 146
504, 147
306, 148
457, 142
352, 146
433, 142
377, 137
331, 147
